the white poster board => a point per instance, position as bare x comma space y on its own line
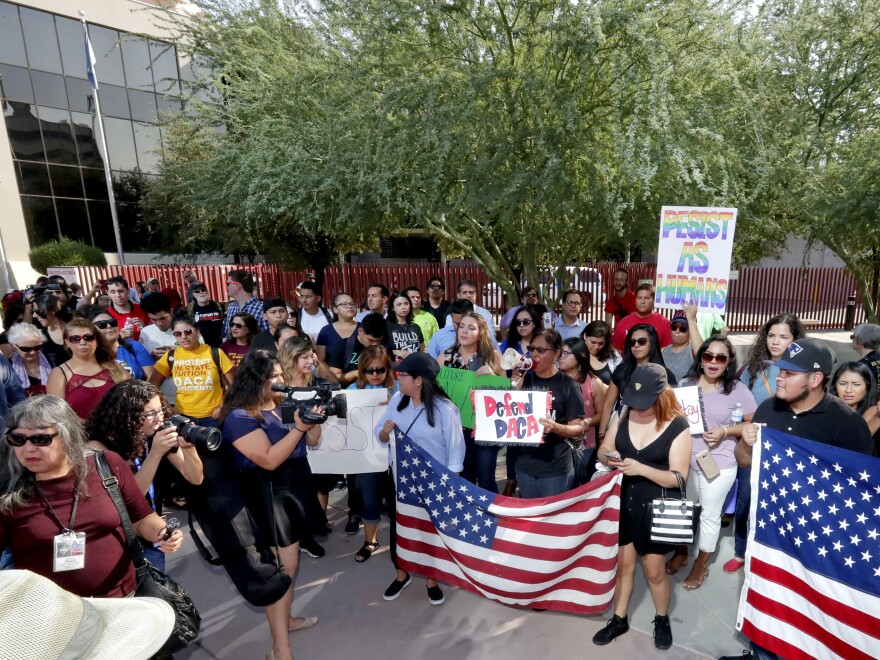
67, 272
691, 402
348, 445
510, 416
693, 258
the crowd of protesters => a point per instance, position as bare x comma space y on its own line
102, 371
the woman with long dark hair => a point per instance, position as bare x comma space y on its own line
603, 357
524, 326
52, 315
423, 411
574, 360
404, 336
854, 384
242, 329
265, 450
135, 359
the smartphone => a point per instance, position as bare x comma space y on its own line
548, 321
613, 456
708, 465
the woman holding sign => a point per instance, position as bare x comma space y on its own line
548, 469
473, 351
712, 462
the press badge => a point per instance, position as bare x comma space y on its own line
70, 552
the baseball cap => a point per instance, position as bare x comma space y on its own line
419, 364
680, 317
806, 355
74, 627
645, 384
270, 303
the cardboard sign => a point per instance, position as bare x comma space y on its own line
348, 445
693, 259
458, 385
691, 401
510, 417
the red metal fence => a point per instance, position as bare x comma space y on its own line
817, 295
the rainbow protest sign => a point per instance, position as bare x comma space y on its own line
693, 260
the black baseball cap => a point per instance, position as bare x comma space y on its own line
419, 364
806, 355
645, 384
271, 303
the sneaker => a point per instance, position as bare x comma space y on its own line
312, 548
353, 525
615, 627
435, 595
393, 591
662, 632
733, 565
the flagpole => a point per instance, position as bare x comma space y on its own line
93, 79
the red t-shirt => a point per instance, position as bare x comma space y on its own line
235, 351
135, 312
173, 297
621, 307
660, 323
29, 531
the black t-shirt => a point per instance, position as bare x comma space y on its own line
440, 313
830, 422
553, 457
264, 341
404, 337
346, 354
209, 320
872, 359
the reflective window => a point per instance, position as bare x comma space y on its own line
108, 56
65, 181
15, 83
40, 40
114, 101
74, 219
143, 106
120, 144
136, 58
11, 40
33, 178
165, 73
79, 92
39, 219
147, 139
168, 105
72, 43
102, 226
85, 134
95, 183
57, 136
49, 89
23, 129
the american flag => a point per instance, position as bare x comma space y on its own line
812, 587
555, 553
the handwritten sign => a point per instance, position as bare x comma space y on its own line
348, 445
510, 416
458, 385
693, 259
691, 403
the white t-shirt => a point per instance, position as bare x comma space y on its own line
311, 324
152, 338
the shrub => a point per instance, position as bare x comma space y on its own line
65, 252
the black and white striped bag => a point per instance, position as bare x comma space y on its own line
675, 521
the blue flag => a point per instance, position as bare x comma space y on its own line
90, 64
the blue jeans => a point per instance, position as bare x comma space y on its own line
741, 515
372, 485
155, 556
5, 559
480, 462
532, 487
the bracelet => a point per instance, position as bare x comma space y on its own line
303, 431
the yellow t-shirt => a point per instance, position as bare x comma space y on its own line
199, 390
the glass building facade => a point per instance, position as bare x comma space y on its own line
49, 114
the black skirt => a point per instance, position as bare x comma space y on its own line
290, 518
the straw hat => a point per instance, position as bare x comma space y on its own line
40, 620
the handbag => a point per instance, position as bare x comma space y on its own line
674, 521
150, 580
580, 461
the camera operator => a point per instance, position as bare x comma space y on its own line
130, 420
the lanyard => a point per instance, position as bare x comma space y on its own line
69, 528
151, 491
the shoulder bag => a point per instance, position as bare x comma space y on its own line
674, 520
150, 580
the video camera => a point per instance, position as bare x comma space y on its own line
196, 435
324, 397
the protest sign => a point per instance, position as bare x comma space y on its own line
458, 385
691, 402
693, 259
510, 417
348, 445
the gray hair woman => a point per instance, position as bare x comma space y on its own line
55, 514
28, 361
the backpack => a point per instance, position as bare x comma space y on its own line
299, 315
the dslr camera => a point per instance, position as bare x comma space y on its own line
333, 404
204, 436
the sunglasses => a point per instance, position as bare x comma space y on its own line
39, 440
375, 370
720, 358
103, 325
639, 341
238, 326
183, 333
200, 291
523, 322
75, 339
434, 286
678, 327
540, 350
576, 303
29, 349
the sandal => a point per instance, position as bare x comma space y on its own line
366, 551
693, 585
678, 560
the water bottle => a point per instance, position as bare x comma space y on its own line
736, 417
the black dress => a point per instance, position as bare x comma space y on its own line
637, 493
